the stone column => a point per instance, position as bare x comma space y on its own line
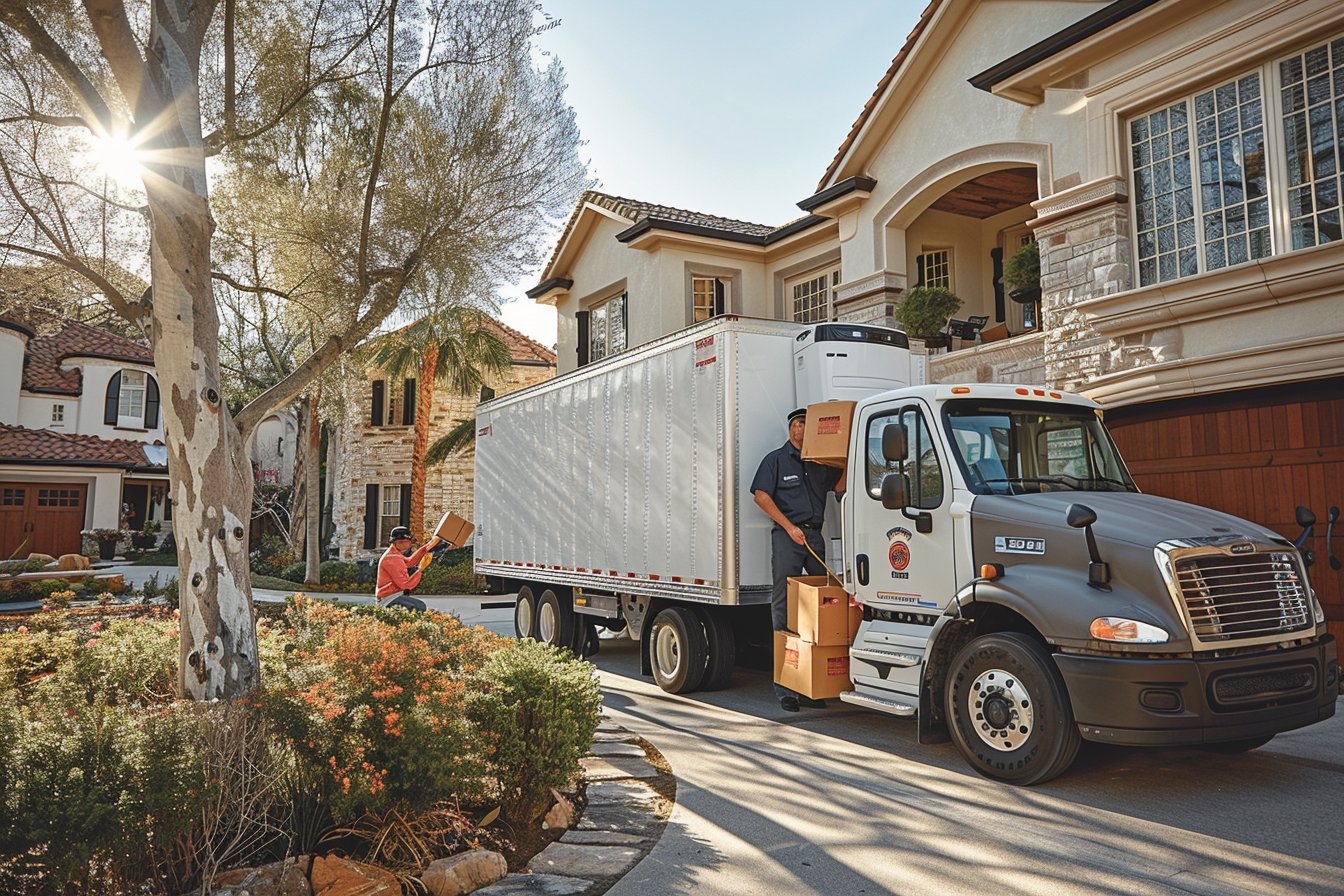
869, 300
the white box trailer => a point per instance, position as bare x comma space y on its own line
624, 483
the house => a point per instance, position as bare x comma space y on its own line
374, 443
1177, 164
81, 437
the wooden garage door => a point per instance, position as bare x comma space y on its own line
1254, 454
44, 517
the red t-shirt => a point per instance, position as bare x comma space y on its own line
398, 572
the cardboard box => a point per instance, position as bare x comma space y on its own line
811, 669
822, 613
454, 530
826, 439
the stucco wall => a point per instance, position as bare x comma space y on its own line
12, 346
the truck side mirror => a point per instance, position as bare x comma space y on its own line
893, 484
1080, 516
895, 443
1305, 518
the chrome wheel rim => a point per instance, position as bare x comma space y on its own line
667, 652
1001, 710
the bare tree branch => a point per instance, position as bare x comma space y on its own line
17, 16
120, 49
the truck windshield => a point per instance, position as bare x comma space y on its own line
1012, 449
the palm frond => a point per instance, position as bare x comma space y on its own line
457, 440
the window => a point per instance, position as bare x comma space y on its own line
131, 400
811, 295
390, 407
606, 333
709, 297
57, 414
389, 512
923, 472
935, 268
1206, 194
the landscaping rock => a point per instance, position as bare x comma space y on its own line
287, 877
332, 876
595, 768
464, 873
72, 562
570, 860
620, 793
561, 815
537, 885
602, 838
44, 558
627, 819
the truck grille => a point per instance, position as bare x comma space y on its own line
1239, 690
1250, 596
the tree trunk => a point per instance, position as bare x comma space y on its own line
208, 460
424, 401
298, 494
313, 493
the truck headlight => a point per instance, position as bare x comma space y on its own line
1127, 631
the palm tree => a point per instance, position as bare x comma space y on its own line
457, 347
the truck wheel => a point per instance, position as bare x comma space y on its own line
1232, 747
677, 650
722, 650
555, 620
525, 614
1009, 711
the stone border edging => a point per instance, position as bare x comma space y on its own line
630, 791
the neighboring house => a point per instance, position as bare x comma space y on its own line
374, 446
1179, 165
81, 437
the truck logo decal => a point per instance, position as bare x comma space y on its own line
484, 430
1243, 548
1013, 544
899, 555
900, 597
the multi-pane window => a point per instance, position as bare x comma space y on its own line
1312, 87
131, 402
709, 297
607, 328
935, 268
389, 512
1213, 184
57, 414
58, 497
812, 296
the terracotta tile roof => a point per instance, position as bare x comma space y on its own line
523, 350
23, 445
42, 366
868, 107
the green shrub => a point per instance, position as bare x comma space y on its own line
14, 567
26, 654
925, 310
536, 708
294, 572
170, 593
151, 588
338, 571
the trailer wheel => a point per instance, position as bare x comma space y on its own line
677, 650
722, 649
1009, 711
555, 620
525, 613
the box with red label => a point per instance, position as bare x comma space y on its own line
820, 612
826, 438
811, 669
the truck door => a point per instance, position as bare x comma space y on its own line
903, 559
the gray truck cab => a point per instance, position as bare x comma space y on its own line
1021, 594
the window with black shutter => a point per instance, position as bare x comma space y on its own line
113, 403
151, 403
581, 318
376, 415
370, 516
408, 402
405, 505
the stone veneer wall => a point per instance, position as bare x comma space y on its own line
382, 455
1020, 359
1084, 255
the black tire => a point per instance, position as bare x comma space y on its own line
1008, 710
677, 650
721, 652
555, 619
525, 613
1233, 747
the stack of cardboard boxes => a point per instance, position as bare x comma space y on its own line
812, 657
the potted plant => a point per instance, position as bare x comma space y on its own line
924, 312
107, 542
1022, 274
147, 537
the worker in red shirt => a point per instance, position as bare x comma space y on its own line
399, 572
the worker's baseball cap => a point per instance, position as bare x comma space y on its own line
797, 413
399, 532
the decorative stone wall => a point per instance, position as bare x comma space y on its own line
382, 455
1017, 360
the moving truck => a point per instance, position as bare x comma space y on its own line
1018, 593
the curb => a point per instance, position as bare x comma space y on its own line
630, 792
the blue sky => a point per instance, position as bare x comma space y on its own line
732, 108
